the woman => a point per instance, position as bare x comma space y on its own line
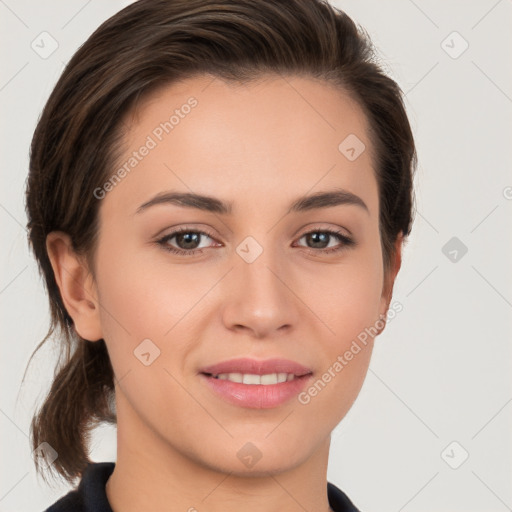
218, 196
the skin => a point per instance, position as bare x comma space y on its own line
260, 146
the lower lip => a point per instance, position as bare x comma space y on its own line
256, 396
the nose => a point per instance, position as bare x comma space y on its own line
260, 298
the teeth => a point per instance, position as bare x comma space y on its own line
249, 378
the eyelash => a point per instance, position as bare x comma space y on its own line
346, 241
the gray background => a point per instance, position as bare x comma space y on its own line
439, 387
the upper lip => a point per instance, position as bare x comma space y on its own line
257, 367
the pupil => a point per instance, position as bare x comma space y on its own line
317, 238
189, 238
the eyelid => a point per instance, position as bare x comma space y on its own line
312, 227
186, 229
333, 229
183, 227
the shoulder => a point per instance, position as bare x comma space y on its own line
90, 495
338, 500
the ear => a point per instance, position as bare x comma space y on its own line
76, 285
389, 279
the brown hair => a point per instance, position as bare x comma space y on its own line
78, 137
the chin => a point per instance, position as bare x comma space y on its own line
262, 468
260, 458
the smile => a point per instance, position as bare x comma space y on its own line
251, 378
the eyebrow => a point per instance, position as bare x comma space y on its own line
315, 201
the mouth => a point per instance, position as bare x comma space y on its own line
266, 379
256, 384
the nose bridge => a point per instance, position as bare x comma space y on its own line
259, 298
254, 268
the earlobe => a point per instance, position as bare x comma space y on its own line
76, 285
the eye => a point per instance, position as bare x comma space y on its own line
187, 238
322, 237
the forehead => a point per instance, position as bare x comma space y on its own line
278, 135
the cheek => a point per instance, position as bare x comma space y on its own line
150, 300
347, 297
143, 295
349, 309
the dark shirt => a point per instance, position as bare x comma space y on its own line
90, 496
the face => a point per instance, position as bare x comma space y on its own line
247, 277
